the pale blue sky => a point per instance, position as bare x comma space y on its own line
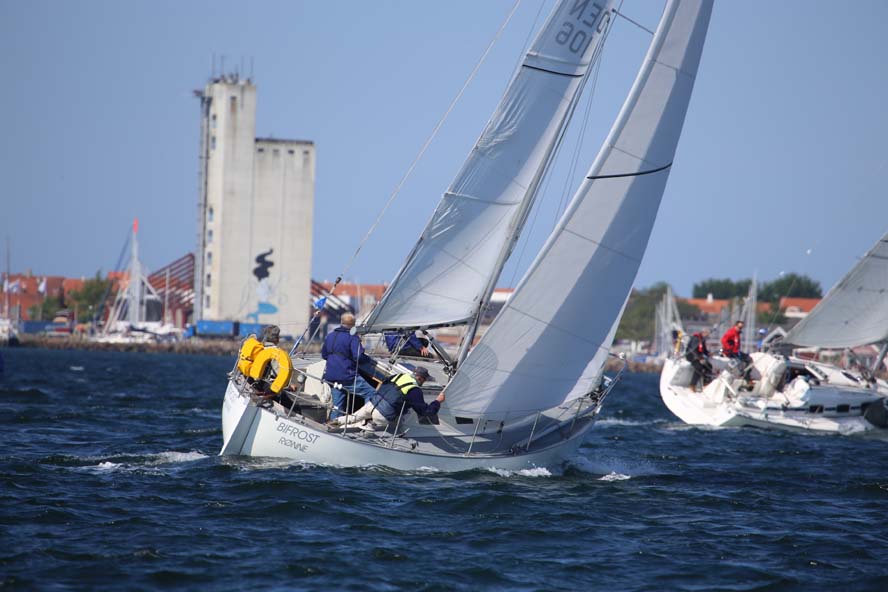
784, 147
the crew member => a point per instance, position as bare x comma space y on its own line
344, 352
414, 346
397, 394
730, 342
698, 355
271, 336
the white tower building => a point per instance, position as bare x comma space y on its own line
255, 215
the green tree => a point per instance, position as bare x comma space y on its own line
90, 297
790, 285
47, 309
638, 322
722, 289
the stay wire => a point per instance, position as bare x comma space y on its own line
409, 171
431, 137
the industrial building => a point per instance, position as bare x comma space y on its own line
255, 214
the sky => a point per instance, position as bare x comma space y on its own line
780, 168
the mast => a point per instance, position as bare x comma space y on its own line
881, 357
548, 345
6, 285
134, 300
524, 210
450, 273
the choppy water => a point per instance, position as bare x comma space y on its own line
110, 480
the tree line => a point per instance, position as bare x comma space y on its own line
87, 301
638, 322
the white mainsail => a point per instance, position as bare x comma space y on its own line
461, 251
549, 343
855, 311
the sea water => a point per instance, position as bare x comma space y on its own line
111, 480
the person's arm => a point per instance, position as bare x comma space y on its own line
416, 402
357, 351
324, 350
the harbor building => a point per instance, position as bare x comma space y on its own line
255, 215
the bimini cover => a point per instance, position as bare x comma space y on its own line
550, 341
855, 311
462, 247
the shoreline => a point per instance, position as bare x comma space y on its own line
217, 347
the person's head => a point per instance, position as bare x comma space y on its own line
739, 325
271, 334
704, 332
347, 320
421, 374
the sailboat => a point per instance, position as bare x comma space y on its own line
794, 393
527, 393
668, 329
128, 321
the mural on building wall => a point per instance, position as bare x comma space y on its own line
265, 290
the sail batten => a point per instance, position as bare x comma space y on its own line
549, 343
465, 244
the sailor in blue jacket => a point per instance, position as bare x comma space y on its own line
397, 395
412, 346
344, 353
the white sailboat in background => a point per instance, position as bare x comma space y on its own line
795, 393
668, 329
531, 388
128, 321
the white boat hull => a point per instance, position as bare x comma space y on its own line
251, 430
721, 404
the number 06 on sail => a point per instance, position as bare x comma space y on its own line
531, 388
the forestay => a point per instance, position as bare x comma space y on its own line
855, 311
549, 343
461, 250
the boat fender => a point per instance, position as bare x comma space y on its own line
285, 367
248, 352
877, 413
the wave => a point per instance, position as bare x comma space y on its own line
621, 469
24, 394
534, 472
628, 422
614, 476
150, 462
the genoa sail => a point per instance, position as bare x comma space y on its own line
548, 345
462, 249
855, 311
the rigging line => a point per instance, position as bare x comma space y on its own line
638, 174
526, 47
431, 137
545, 188
637, 24
573, 167
579, 144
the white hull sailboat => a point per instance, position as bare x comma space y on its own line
531, 388
787, 392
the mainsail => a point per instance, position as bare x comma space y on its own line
460, 253
549, 343
855, 311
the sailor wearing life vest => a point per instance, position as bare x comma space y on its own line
698, 355
397, 395
731, 347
